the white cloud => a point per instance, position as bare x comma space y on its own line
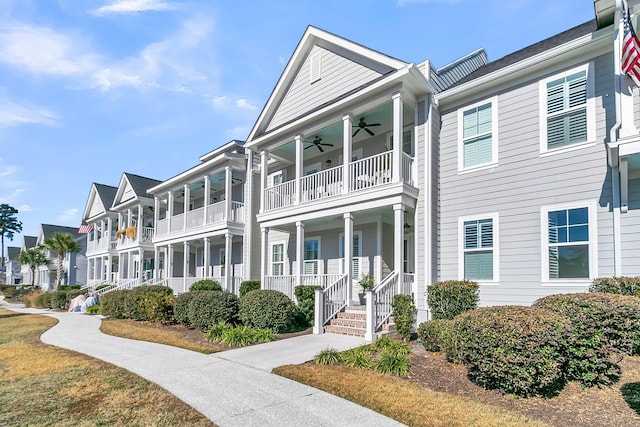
68, 215
134, 6
14, 114
25, 208
245, 105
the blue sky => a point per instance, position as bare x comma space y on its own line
93, 88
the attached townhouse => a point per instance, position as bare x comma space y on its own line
28, 242
12, 267
74, 264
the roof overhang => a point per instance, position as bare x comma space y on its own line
605, 10
226, 147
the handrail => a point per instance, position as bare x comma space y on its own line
334, 299
371, 171
383, 297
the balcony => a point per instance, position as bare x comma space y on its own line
213, 215
364, 174
129, 236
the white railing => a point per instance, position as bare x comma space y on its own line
96, 245
280, 196
383, 297
147, 234
282, 284
123, 284
332, 299
326, 183
113, 244
322, 280
215, 212
177, 223
195, 218
407, 168
162, 227
237, 212
406, 287
371, 171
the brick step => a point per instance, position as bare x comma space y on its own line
344, 330
355, 309
351, 323
351, 316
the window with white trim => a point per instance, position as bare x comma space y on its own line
277, 259
567, 109
311, 255
407, 141
479, 248
356, 254
276, 178
477, 135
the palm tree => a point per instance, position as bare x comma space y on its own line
61, 244
9, 224
34, 257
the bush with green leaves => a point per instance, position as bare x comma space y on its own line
23, 291
435, 334
617, 285
58, 300
154, 303
207, 308
449, 298
44, 301
93, 309
268, 309
305, 295
205, 285
9, 291
328, 356
404, 315
359, 357
181, 308
514, 349
238, 336
117, 304
248, 286
68, 287
394, 362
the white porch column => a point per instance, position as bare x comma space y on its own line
299, 165
108, 232
187, 195
299, 252
264, 159
398, 241
141, 264
347, 140
228, 240
156, 213
109, 267
129, 217
397, 136
228, 191
102, 231
377, 272
129, 265
95, 269
348, 254
169, 210
207, 257
207, 198
185, 265
140, 222
121, 224
170, 256
264, 254
156, 263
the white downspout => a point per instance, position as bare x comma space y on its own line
613, 137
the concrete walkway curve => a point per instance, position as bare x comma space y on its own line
232, 388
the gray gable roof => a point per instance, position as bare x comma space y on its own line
12, 252
534, 49
30, 241
448, 75
107, 194
48, 230
140, 184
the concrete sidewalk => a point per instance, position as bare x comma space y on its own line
232, 388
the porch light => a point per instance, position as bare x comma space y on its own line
407, 227
328, 163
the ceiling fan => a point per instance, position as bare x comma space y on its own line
317, 142
364, 125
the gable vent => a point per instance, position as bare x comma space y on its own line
315, 67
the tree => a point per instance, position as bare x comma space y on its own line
9, 224
61, 244
33, 257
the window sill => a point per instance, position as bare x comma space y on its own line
567, 148
477, 168
487, 282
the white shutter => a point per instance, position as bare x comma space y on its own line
315, 67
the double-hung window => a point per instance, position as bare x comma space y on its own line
479, 248
566, 110
477, 135
569, 244
311, 256
277, 259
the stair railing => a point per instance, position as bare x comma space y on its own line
328, 302
379, 304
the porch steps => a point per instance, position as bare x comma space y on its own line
353, 322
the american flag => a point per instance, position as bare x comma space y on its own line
84, 229
630, 48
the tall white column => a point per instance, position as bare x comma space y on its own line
264, 159
228, 192
140, 222
95, 268
207, 256
169, 210
377, 272
228, 241
109, 267
299, 252
264, 254
185, 266
397, 136
207, 197
347, 140
187, 196
156, 212
129, 217
170, 257
348, 254
299, 165
140, 264
108, 232
156, 263
398, 242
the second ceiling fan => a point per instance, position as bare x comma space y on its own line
364, 125
317, 142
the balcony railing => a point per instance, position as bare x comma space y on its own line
364, 174
196, 218
145, 236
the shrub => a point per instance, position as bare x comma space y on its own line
435, 335
305, 295
68, 287
9, 291
519, 350
328, 356
181, 308
267, 309
93, 309
58, 300
23, 291
248, 286
33, 299
154, 303
239, 336
394, 362
617, 285
205, 285
45, 300
207, 308
216, 331
358, 357
114, 304
404, 315
450, 298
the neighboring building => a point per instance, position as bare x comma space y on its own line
12, 274
200, 217
74, 265
28, 242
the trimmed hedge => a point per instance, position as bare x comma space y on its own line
206, 308
248, 286
452, 297
8, 291
404, 315
519, 350
267, 309
305, 295
58, 300
205, 285
617, 285
435, 335
152, 303
181, 308
114, 304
